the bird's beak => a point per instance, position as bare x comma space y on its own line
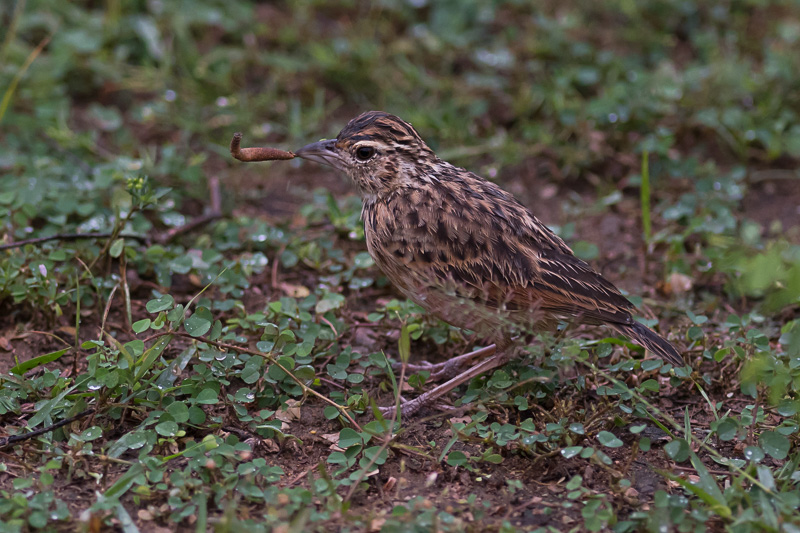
323, 152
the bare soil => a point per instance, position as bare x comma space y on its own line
276, 195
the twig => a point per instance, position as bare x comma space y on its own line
186, 228
70, 237
274, 272
214, 196
19, 438
692, 469
238, 432
331, 383
257, 153
297, 478
214, 214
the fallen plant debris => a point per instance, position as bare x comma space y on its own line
258, 153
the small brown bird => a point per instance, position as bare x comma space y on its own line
465, 250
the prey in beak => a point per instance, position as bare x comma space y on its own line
324, 152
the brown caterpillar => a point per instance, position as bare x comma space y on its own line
256, 153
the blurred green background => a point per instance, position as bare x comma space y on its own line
570, 92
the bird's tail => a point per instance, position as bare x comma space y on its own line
651, 340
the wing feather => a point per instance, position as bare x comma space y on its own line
438, 237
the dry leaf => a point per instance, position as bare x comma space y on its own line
68, 330
5, 345
331, 437
676, 283
290, 413
270, 445
294, 291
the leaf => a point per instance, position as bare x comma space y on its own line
404, 344
677, 450
726, 428
376, 454
708, 484
307, 373
457, 458
765, 477
116, 248
775, 444
176, 314
176, 367
141, 325
207, 396
754, 453
179, 411
570, 452
129, 441
30, 364
147, 30
337, 458
577, 428
197, 326
363, 260
125, 521
586, 250
43, 410
349, 437
125, 481
150, 355
196, 415
609, 440
91, 433
167, 428
705, 488
216, 330
7, 197
252, 370
494, 458
329, 302
160, 304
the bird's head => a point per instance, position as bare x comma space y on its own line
378, 151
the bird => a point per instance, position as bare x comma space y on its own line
466, 250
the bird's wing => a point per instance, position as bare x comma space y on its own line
490, 248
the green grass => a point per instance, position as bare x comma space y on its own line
225, 377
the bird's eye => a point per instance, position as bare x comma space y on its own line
364, 152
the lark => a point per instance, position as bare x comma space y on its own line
466, 250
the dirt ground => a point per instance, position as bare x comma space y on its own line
408, 475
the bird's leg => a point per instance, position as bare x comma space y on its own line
412, 406
451, 367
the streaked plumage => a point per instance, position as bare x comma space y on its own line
462, 247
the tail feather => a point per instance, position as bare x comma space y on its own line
651, 340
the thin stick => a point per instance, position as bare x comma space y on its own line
69, 237
256, 153
195, 223
25, 436
214, 214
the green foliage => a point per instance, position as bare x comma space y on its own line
218, 360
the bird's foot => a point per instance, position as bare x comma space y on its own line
408, 408
450, 368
